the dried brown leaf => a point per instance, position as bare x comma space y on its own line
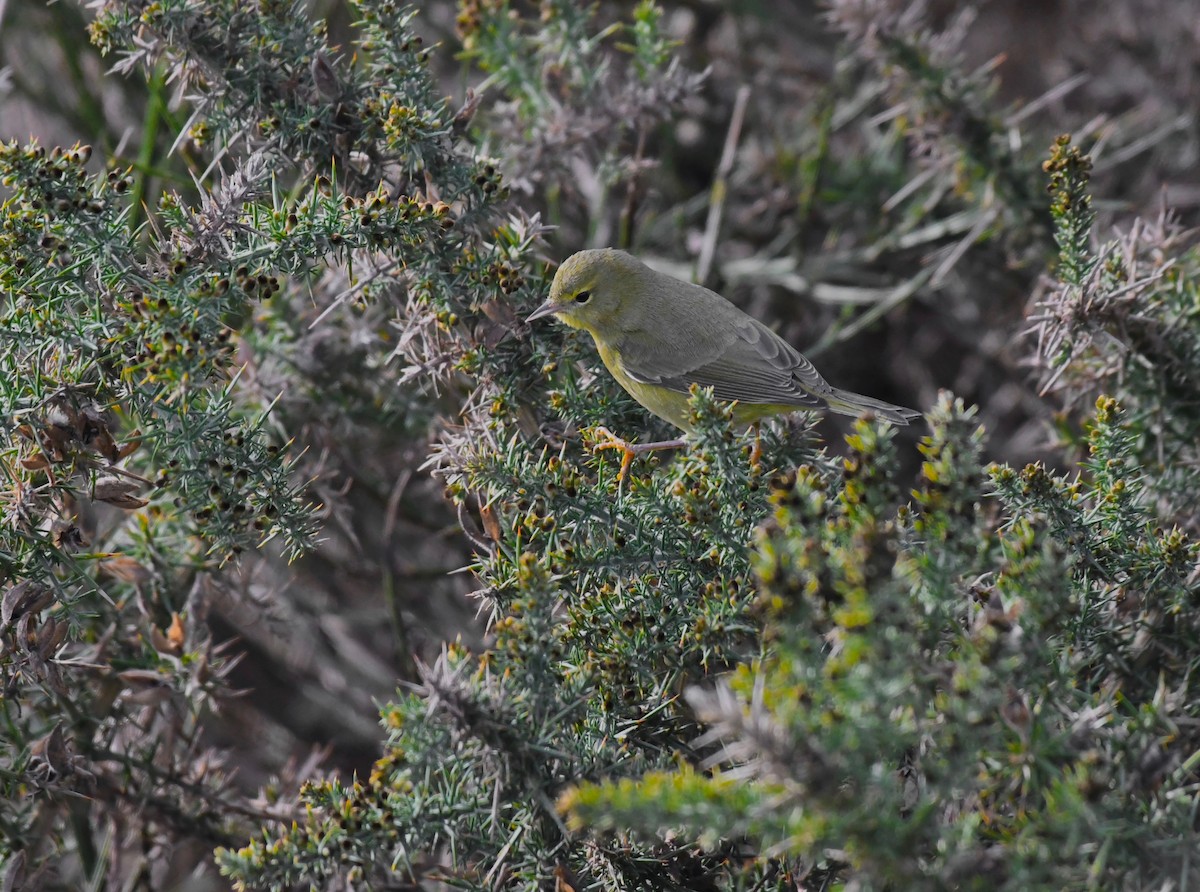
130, 446
51, 637
119, 492
22, 599
125, 569
37, 462
491, 525
171, 641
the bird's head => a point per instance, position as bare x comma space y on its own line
593, 290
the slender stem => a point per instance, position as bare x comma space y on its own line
155, 106
720, 186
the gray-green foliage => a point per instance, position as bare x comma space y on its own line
752, 665
608, 601
959, 693
142, 445
345, 273
988, 687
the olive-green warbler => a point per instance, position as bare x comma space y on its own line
658, 336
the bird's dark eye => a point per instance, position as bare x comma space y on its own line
583, 297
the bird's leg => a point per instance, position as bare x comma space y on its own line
606, 439
756, 449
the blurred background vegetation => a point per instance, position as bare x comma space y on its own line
864, 175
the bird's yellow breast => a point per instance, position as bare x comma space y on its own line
663, 402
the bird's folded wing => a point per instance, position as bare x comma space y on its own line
751, 365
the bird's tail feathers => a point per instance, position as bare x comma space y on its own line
846, 403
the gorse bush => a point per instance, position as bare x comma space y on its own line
772, 660
598, 629
954, 696
157, 380
960, 693
123, 394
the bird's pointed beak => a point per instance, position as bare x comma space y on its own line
544, 310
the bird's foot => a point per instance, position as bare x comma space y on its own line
606, 439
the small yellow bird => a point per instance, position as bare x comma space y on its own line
658, 336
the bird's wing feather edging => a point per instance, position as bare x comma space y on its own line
751, 364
